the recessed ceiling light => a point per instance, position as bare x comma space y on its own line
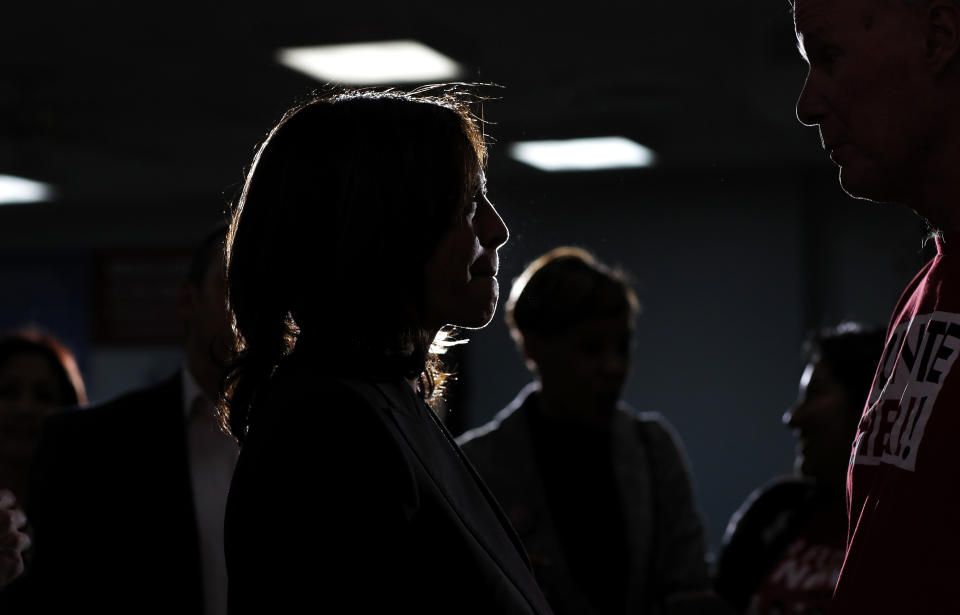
15, 190
379, 63
591, 154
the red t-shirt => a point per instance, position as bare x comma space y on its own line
801, 581
903, 483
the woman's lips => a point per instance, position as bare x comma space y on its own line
484, 270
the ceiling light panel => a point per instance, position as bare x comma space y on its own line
592, 154
16, 190
379, 63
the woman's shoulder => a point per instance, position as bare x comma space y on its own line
325, 426
766, 505
304, 407
780, 490
304, 375
757, 533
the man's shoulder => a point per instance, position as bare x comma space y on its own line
116, 412
501, 426
653, 427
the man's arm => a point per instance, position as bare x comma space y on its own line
682, 580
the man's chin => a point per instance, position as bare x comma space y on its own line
867, 187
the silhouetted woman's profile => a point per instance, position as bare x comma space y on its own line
783, 549
362, 229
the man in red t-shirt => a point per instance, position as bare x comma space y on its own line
884, 90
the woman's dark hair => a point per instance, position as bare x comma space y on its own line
851, 352
564, 287
344, 203
34, 341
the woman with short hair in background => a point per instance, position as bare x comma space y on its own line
38, 374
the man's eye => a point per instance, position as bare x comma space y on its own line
827, 56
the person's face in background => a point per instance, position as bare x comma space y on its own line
29, 389
824, 421
867, 92
585, 366
460, 277
209, 336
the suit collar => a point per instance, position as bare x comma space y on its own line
632, 471
421, 427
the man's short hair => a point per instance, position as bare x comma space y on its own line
793, 3
565, 287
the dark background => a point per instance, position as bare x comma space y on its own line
740, 239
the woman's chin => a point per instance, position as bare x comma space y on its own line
477, 320
480, 310
473, 308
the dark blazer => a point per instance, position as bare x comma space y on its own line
351, 497
663, 530
112, 510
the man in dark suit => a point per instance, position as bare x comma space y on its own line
127, 497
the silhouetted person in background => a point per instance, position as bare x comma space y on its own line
127, 497
883, 88
362, 230
38, 375
599, 493
783, 548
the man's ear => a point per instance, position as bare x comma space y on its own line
533, 348
943, 33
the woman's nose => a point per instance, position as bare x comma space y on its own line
492, 230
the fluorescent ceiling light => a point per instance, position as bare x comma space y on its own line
379, 63
583, 154
19, 190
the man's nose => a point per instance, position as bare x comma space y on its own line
810, 104
615, 363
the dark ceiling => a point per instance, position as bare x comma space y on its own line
144, 115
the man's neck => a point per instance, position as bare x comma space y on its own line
564, 408
936, 194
